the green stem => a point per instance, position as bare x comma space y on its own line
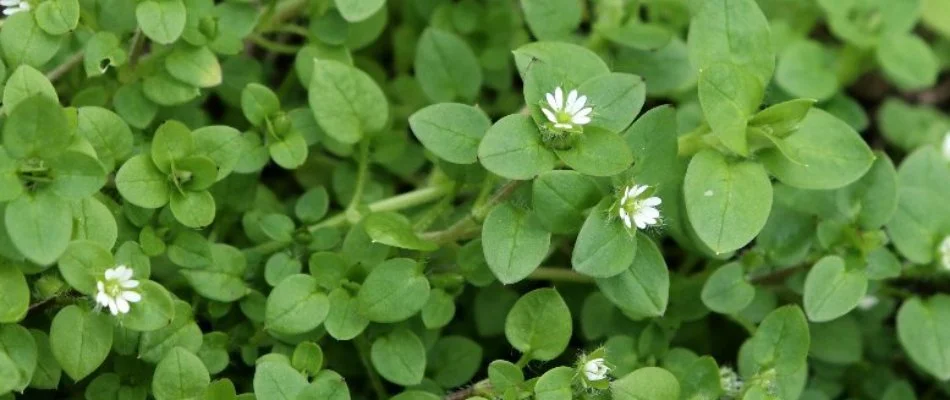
289, 28
395, 203
273, 46
67, 65
362, 175
559, 275
362, 346
469, 224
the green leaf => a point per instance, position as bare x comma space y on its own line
163, 89
57, 17
18, 345
616, 99
439, 309
277, 381
783, 118
16, 293
727, 291
539, 325
290, 152
825, 153
37, 127
728, 202
161, 20
646, 383
838, 341
193, 209
358, 10
313, 205
561, 196
135, 108
546, 65
297, 305
454, 360
806, 69
781, 342
83, 264
103, 50
729, 95
196, 66
40, 226
642, 290
259, 103
446, 67
183, 332
222, 144
908, 61
831, 289
399, 357
76, 175
394, 291
223, 279
10, 185
23, 41
552, 19
9, 375
732, 31
328, 385
108, 134
155, 311
180, 375
346, 101
638, 35
141, 183
80, 340
514, 242
604, 247
26, 82
923, 327
48, 372
307, 358
555, 384
345, 321
597, 152
450, 130
512, 148
873, 198
504, 375
171, 143
393, 229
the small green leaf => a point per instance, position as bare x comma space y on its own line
196, 66
141, 183
555, 384
450, 130
346, 101
512, 148
616, 99
290, 152
180, 375
394, 291
358, 10
103, 50
40, 226
539, 324
908, 61
727, 291
57, 17
20, 347
155, 311
26, 82
344, 322
806, 69
729, 95
393, 229
193, 209
646, 383
604, 247
923, 327
514, 242
23, 41
161, 20
80, 340
597, 152
400, 357
642, 290
728, 202
277, 381
831, 289
561, 196
732, 31
16, 293
446, 67
37, 127
552, 19
259, 103
297, 305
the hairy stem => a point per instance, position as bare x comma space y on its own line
67, 65
469, 224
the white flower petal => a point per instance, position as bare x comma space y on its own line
626, 221
126, 273
550, 115
580, 120
652, 202
551, 100
558, 99
9, 3
131, 296
113, 307
122, 304
571, 99
649, 212
946, 146
583, 113
639, 189
563, 126
102, 299
130, 284
111, 274
578, 104
100, 286
640, 221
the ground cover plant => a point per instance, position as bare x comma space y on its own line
474, 199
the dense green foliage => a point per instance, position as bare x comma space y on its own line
474, 199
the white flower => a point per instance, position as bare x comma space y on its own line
11, 7
945, 253
868, 302
114, 292
730, 381
946, 146
596, 369
566, 115
637, 211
